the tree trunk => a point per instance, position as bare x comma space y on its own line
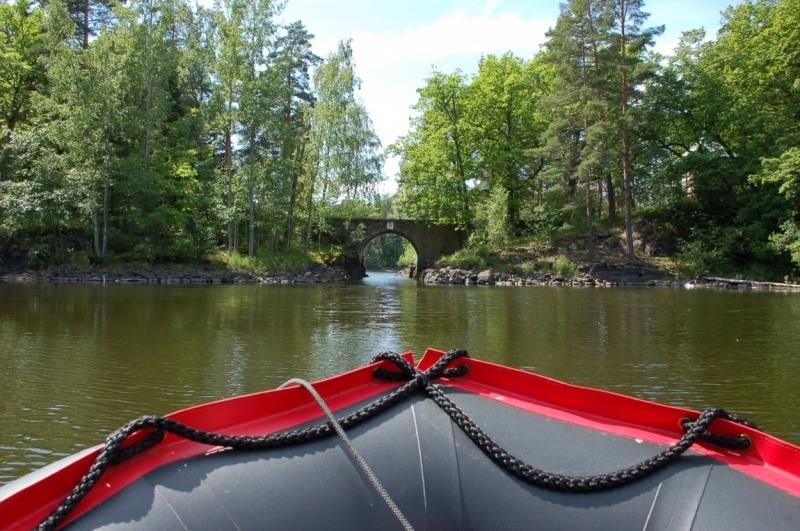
148, 138
6, 160
96, 234
590, 228
228, 166
252, 193
599, 199
86, 25
312, 182
252, 220
612, 202
626, 163
290, 214
105, 220
322, 213
628, 196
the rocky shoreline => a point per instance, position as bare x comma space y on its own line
601, 275
707, 282
597, 275
167, 275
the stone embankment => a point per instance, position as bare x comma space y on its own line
602, 275
166, 275
740, 284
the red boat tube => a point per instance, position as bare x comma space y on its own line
434, 472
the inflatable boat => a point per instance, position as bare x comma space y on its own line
453, 443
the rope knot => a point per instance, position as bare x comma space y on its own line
409, 372
422, 379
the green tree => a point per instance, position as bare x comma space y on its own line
438, 156
577, 134
631, 42
292, 65
347, 162
505, 110
21, 72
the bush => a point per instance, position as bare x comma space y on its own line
466, 258
409, 256
79, 258
526, 268
564, 268
708, 251
268, 261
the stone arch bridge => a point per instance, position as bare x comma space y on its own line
429, 241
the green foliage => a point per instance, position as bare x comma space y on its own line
472, 137
491, 223
386, 251
21, 72
409, 256
784, 171
466, 258
707, 251
436, 164
564, 268
529, 267
788, 240
173, 131
268, 262
79, 258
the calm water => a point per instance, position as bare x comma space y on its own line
78, 361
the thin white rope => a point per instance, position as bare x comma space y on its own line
357, 456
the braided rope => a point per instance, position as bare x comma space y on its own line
113, 453
398, 514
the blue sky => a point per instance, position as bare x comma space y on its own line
396, 43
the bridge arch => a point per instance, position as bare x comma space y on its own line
428, 240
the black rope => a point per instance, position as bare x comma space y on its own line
549, 480
114, 453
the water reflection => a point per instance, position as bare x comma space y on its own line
77, 361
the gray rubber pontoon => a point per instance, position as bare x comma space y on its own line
442, 481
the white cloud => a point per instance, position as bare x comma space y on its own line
393, 66
457, 33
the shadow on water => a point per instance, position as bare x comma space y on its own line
80, 360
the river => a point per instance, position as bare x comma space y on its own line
78, 361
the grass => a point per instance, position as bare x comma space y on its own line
268, 262
564, 268
466, 258
262, 263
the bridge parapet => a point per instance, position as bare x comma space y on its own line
429, 240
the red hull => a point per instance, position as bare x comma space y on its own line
771, 460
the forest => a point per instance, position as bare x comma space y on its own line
155, 131
597, 129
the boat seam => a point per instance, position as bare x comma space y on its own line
421, 466
171, 508
221, 503
702, 494
653, 506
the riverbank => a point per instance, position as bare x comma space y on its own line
165, 274
601, 275
563, 260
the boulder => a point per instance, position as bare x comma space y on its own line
486, 277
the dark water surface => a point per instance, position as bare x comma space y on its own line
78, 361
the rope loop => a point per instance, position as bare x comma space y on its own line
114, 451
731, 443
